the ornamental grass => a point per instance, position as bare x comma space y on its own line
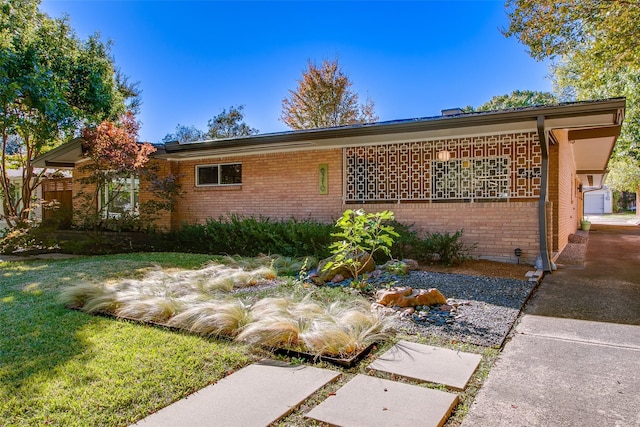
198, 301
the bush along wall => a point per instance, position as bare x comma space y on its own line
250, 236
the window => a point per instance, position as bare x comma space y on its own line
120, 196
480, 168
222, 174
470, 179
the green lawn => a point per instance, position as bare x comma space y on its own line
62, 367
66, 368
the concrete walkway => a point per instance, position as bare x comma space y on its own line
614, 219
263, 393
575, 357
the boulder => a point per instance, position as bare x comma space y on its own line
387, 297
328, 275
412, 264
406, 297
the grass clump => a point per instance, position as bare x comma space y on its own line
335, 329
190, 300
218, 318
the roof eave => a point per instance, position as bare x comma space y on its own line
418, 125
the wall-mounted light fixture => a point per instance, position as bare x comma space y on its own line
444, 155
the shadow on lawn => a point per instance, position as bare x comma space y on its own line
38, 335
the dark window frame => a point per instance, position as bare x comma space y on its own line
222, 179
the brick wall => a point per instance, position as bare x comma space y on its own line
80, 190
162, 168
282, 185
563, 192
279, 185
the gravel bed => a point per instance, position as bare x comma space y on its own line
488, 307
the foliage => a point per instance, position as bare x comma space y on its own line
596, 54
51, 84
250, 236
229, 124
323, 99
361, 235
188, 299
517, 98
406, 241
116, 156
184, 134
624, 175
577, 78
166, 192
219, 318
397, 268
114, 146
449, 248
335, 329
603, 30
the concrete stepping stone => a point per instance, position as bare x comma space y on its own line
257, 395
370, 402
427, 363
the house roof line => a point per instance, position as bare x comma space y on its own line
561, 110
71, 152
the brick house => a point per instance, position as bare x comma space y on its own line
511, 179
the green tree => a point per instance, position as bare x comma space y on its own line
605, 31
624, 175
184, 134
51, 85
323, 99
229, 124
517, 98
361, 235
596, 54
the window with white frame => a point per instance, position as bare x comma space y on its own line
219, 174
120, 196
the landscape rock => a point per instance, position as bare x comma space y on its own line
327, 276
337, 278
406, 297
411, 263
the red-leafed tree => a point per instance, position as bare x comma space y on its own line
114, 146
116, 156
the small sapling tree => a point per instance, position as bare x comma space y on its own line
361, 235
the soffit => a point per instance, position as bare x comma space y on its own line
62, 157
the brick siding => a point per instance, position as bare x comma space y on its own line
284, 185
567, 201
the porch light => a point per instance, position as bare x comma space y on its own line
444, 155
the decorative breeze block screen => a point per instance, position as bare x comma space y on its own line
495, 167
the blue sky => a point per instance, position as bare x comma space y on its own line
194, 58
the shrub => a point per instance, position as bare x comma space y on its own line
250, 236
407, 243
449, 247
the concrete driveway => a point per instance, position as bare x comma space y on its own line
575, 357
